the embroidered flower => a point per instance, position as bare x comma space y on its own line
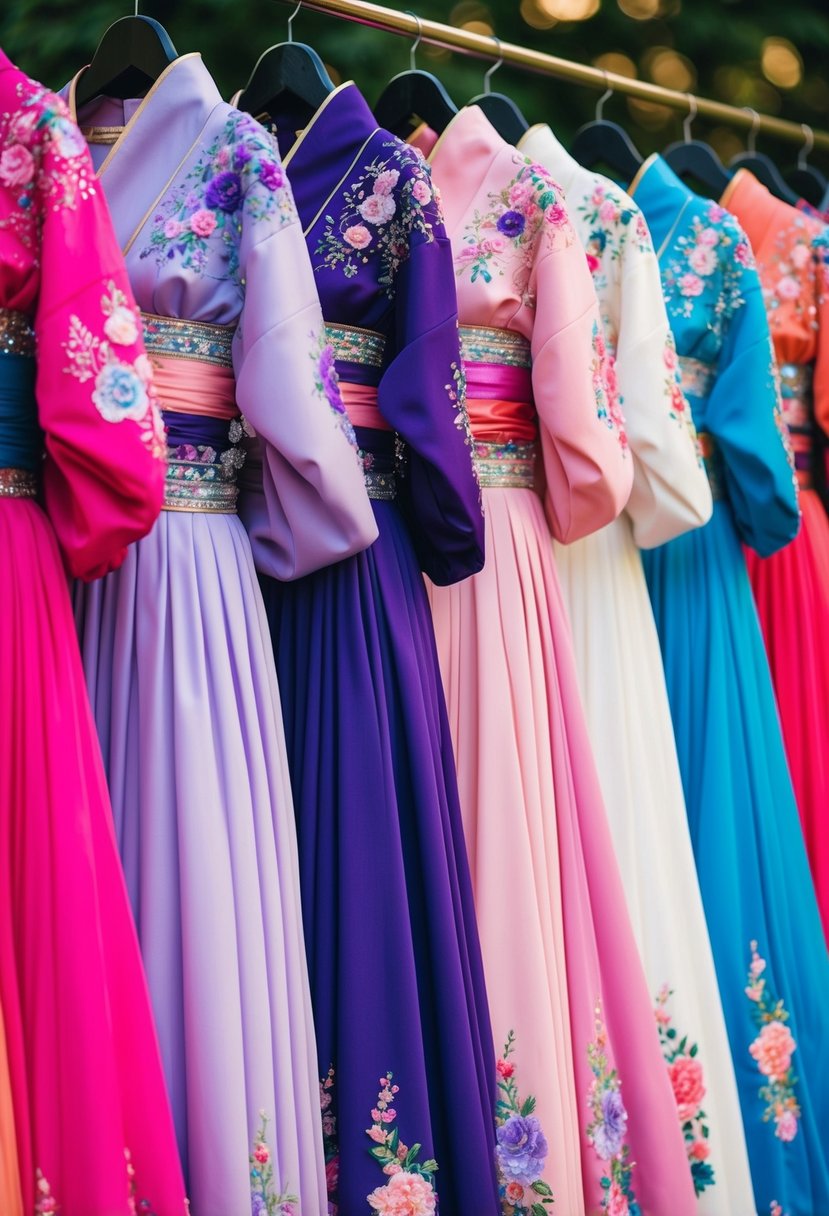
385, 182
691, 285
119, 393
358, 236
68, 141
606, 388
17, 166
703, 259
404, 1194
686, 1076
742, 253
618, 1197
801, 255
521, 1147
202, 222
787, 288
773, 1049
224, 192
45, 1201
617, 1201
421, 193
377, 208
264, 1198
511, 223
270, 175
410, 1190
610, 1132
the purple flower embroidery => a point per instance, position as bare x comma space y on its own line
271, 175
522, 1149
328, 375
511, 224
225, 192
608, 1136
241, 155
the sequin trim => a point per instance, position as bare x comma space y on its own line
711, 459
354, 345
381, 486
16, 334
480, 344
506, 465
201, 485
17, 483
697, 378
188, 339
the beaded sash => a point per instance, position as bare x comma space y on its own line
797, 405
481, 344
16, 334
497, 363
354, 345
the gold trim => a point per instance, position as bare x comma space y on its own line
671, 231
445, 132
165, 187
732, 185
347, 173
286, 159
640, 173
537, 126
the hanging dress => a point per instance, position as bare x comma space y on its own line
175, 644
81, 477
568, 997
622, 681
759, 901
791, 588
394, 959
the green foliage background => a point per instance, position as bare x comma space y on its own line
721, 42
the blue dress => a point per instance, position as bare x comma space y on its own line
769, 951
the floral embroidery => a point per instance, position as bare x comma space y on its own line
264, 1201
611, 220
775, 1209
527, 206
789, 274
136, 1206
45, 1201
521, 1149
200, 221
606, 388
716, 244
380, 213
410, 1189
678, 408
330, 1147
685, 1072
41, 125
326, 384
773, 1050
607, 1127
122, 390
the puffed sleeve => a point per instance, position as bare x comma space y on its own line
587, 470
745, 419
303, 498
104, 466
421, 395
671, 493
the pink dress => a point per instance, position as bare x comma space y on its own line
568, 996
93, 1124
791, 588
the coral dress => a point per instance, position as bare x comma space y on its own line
620, 670
81, 476
759, 900
175, 644
567, 992
791, 588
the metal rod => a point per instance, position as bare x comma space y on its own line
482, 46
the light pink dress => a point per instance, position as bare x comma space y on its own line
562, 967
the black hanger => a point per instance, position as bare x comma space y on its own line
292, 72
696, 160
413, 97
804, 179
605, 143
501, 110
130, 57
763, 167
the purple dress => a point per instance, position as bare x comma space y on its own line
175, 643
394, 958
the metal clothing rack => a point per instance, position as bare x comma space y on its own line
482, 46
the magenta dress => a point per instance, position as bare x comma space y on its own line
562, 969
81, 476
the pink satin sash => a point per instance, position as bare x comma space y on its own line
499, 402
360, 401
192, 386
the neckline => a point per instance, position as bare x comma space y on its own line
313, 120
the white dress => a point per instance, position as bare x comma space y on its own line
620, 671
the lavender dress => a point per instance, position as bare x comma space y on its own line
394, 958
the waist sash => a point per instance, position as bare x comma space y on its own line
497, 364
798, 412
21, 441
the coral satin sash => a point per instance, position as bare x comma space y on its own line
500, 403
360, 401
191, 386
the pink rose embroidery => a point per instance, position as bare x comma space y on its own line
378, 208
172, 229
203, 222
520, 193
358, 236
788, 288
686, 1081
385, 182
709, 237
786, 1129
421, 192
404, 1194
17, 166
773, 1049
742, 254
608, 212
120, 326
555, 214
801, 256
699, 1150
703, 260
691, 285
593, 263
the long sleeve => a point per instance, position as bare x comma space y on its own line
588, 473
103, 473
745, 419
671, 493
421, 395
313, 508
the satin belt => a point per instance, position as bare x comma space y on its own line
360, 401
21, 442
190, 386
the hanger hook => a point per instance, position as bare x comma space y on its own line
755, 125
136, 8
490, 71
808, 144
688, 120
417, 41
291, 21
606, 96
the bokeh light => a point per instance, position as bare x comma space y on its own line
640, 10
569, 10
781, 63
668, 68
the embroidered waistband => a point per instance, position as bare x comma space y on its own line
201, 483
17, 483
480, 344
188, 339
505, 465
709, 452
697, 378
354, 345
16, 334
